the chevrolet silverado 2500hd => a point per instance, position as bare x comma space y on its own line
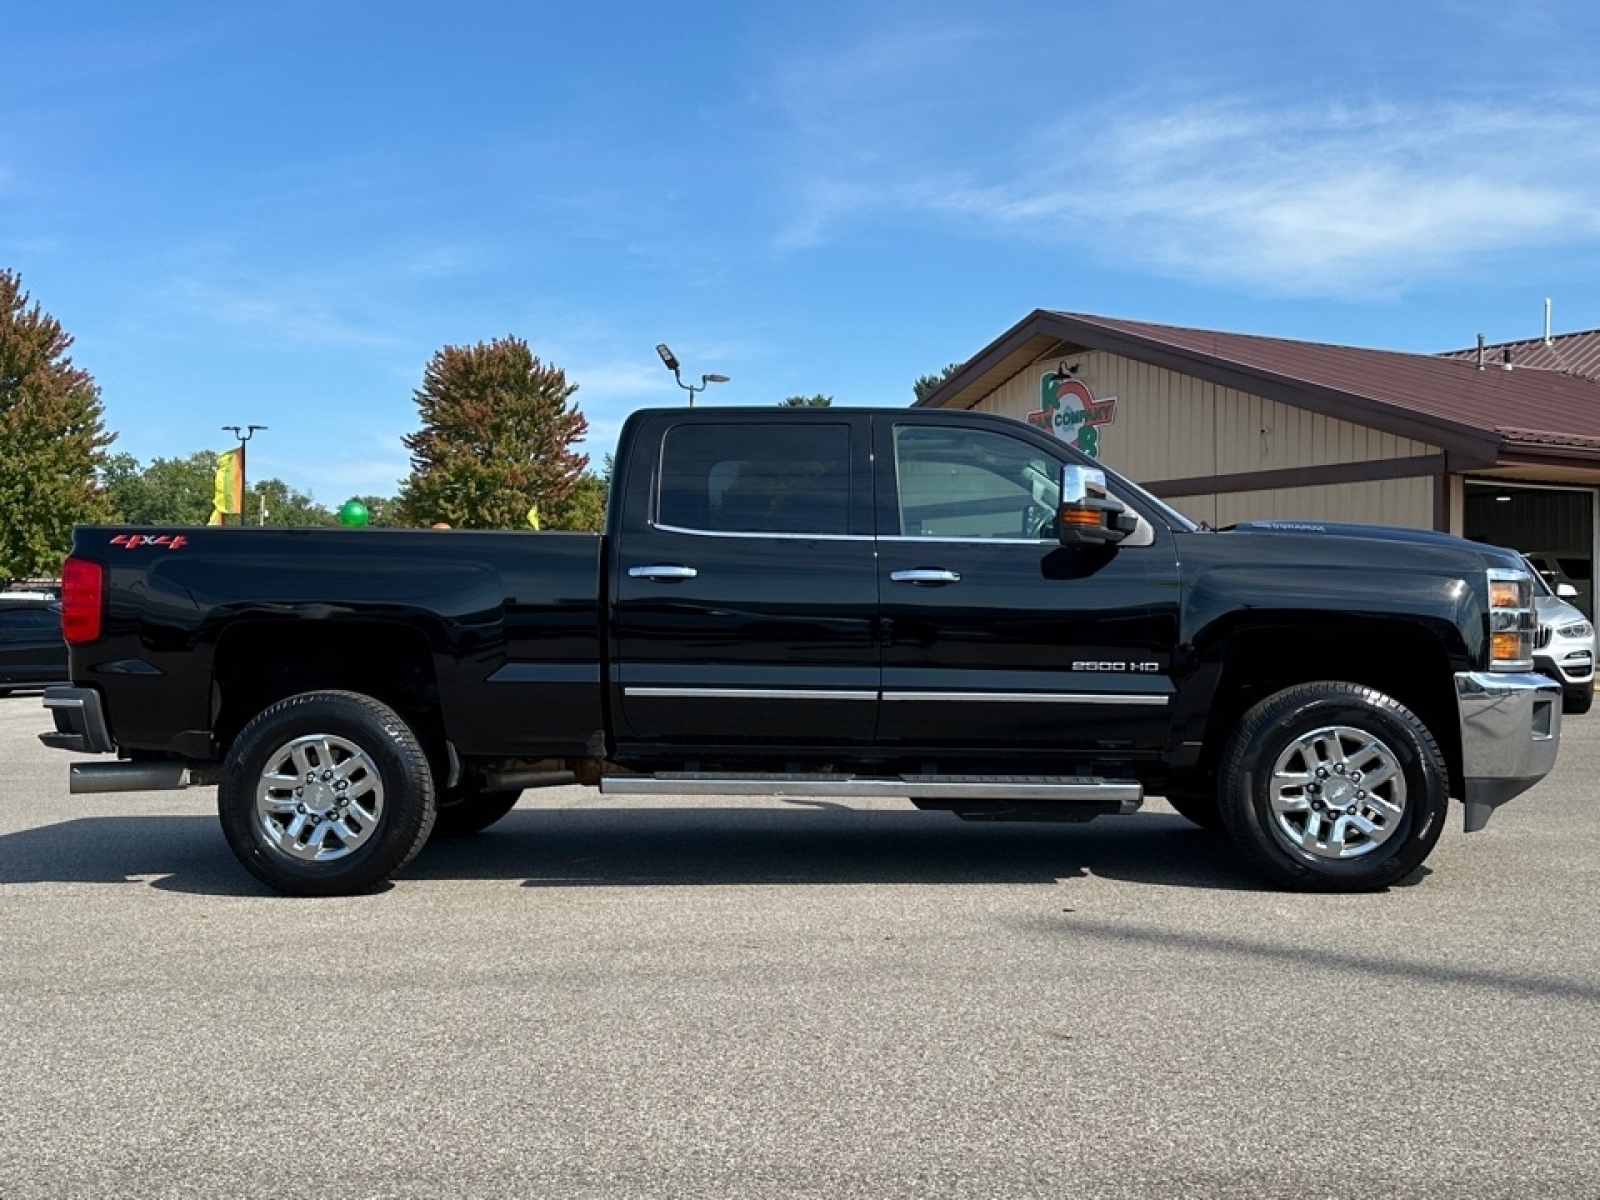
949, 607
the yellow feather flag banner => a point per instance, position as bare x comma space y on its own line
229, 494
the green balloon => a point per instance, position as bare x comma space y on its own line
353, 514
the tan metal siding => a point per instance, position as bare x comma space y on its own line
1383, 502
1172, 426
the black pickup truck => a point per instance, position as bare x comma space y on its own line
947, 607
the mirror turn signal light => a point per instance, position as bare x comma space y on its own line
1072, 515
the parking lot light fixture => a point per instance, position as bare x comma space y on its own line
671, 362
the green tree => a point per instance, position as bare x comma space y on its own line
497, 432
179, 491
52, 440
584, 507
818, 401
285, 507
926, 383
170, 491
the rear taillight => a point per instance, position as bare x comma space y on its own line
82, 596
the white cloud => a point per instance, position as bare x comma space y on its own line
1322, 201
295, 316
1329, 200
619, 378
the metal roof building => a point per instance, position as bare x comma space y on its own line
1232, 426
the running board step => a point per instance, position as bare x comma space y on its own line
1103, 795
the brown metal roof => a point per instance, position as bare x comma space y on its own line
1574, 353
1479, 417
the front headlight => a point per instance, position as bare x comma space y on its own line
1511, 620
1578, 629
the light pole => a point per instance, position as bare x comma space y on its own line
249, 431
672, 365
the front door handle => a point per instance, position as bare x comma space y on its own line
935, 577
667, 573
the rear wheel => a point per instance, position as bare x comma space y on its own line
1333, 787
326, 794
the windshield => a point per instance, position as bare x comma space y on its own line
1171, 515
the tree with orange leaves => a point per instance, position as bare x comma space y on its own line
498, 426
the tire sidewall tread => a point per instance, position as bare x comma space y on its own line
1277, 720
409, 793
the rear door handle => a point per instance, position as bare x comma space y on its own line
925, 575
668, 573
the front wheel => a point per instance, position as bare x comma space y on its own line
326, 794
1333, 787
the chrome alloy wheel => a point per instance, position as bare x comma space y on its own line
1337, 793
319, 798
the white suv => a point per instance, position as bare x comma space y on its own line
1563, 646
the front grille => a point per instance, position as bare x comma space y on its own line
1541, 639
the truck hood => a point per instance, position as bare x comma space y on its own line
1346, 532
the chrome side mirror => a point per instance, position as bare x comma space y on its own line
1089, 515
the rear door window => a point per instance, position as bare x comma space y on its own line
756, 479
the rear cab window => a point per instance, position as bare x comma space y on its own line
756, 479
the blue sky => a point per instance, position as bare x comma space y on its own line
276, 213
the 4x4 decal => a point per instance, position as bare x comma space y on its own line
132, 541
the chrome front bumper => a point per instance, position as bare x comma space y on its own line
1510, 731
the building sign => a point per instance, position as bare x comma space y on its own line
1068, 409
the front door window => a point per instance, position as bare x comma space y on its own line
963, 483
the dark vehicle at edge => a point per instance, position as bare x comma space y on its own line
32, 650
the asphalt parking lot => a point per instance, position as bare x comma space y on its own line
708, 998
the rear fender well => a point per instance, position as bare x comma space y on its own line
258, 663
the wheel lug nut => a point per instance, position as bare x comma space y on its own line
1351, 811
300, 808
1361, 795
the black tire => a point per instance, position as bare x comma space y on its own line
465, 811
1199, 808
1360, 838
1580, 701
375, 787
